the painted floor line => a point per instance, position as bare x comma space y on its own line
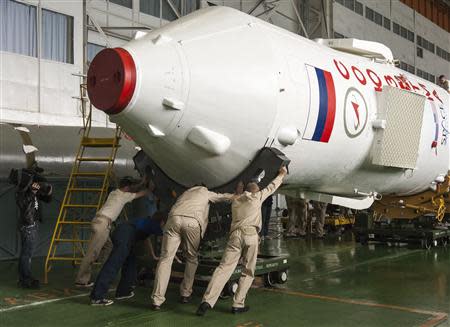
436, 317
18, 307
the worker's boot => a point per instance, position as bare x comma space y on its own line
240, 310
204, 306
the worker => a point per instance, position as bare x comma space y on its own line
123, 256
266, 211
443, 82
100, 243
320, 210
243, 241
291, 228
298, 217
186, 225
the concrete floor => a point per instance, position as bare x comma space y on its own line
331, 283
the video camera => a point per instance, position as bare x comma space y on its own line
24, 178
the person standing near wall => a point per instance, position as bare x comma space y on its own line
443, 82
29, 194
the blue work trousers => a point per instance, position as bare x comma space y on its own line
29, 239
122, 256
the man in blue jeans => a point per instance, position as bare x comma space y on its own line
30, 191
123, 256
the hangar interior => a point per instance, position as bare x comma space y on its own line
343, 279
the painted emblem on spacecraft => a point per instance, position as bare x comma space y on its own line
322, 105
355, 113
444, 125
434, 144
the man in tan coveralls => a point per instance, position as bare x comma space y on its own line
320, 210
101, 226
186, 225
243, 241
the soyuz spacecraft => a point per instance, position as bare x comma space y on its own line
204, 94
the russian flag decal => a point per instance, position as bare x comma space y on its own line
322, 105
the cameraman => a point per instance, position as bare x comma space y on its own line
27, 199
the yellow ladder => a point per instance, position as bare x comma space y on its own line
86, 192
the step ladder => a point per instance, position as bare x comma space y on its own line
85, 194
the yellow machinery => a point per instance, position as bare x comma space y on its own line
339, 221
86, 185
409, 207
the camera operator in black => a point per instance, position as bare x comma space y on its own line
31, 189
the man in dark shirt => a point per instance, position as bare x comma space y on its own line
124, 239
27, 199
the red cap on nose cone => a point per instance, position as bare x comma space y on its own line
111, 80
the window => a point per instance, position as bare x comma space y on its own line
369, 13
425, 75
92, 50
442, 53
407, 67
403, 32
57, 36
424, 43
396, 28
419, 52
18, 32
387, 23
125, 3
359, 8
422, 74
375, 16
350, 4
419, 41
378, 19
151, 7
